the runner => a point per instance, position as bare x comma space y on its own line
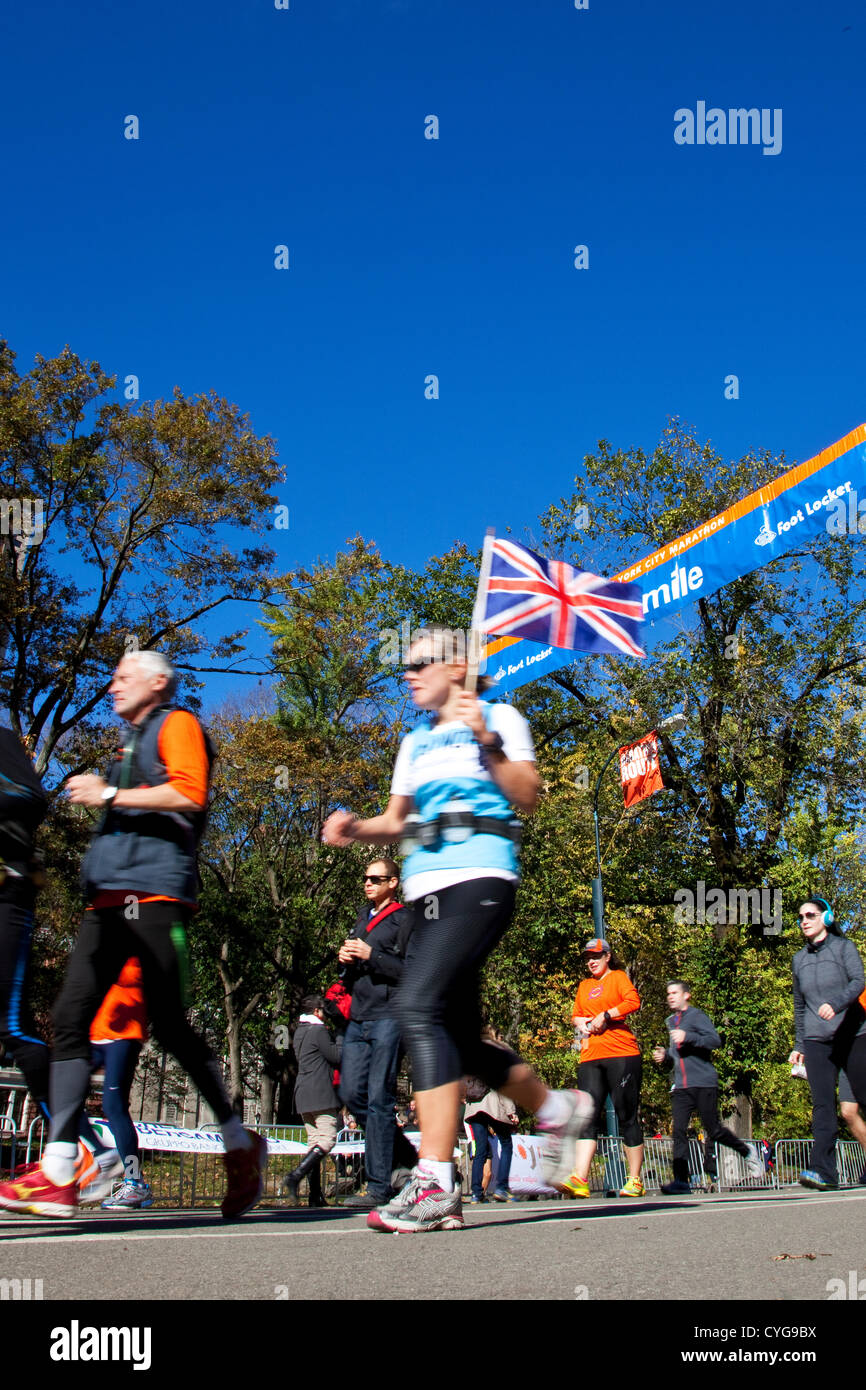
463, 773
610, 1063
117, 1035
696, 1087
140, 881
830, 1030
23, 804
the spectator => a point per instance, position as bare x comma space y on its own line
372, 959
315, 1098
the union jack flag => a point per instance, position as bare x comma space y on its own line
549, 601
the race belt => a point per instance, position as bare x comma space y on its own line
454, 828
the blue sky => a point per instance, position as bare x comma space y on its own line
453, 257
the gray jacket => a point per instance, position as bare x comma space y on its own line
691, 1060
829, 973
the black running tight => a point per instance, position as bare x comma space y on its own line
438, 999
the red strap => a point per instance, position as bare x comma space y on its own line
380, 916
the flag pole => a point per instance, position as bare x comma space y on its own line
473, 656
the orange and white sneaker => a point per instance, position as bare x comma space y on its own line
245, 1169
33, 1192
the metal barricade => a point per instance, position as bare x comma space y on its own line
734, 1174
791, 1157
8, 1126
37, 1120
852, 1164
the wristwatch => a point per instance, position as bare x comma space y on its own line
494, 744
110, 793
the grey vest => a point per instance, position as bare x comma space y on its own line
144, 851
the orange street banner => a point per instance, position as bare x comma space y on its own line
639, 769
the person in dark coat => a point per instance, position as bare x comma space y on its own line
372, 959
316, 1099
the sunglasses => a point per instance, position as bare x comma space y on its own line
807, 916
377, 878
416, 666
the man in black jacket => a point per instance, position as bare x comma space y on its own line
695, 1087
373, 959
317, 1055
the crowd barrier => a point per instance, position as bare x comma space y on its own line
184, 1166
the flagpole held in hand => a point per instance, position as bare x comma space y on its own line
473, 656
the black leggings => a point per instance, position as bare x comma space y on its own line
619, 1078
437, 1003
105, 943
824, 1059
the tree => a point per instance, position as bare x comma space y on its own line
139, 497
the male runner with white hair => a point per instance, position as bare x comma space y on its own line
140, 882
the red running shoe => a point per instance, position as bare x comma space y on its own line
33, 1192
246, 1170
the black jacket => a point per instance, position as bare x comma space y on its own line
317, 1055
692, 1059
372, 983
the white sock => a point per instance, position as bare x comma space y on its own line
106, 1158
442, 1172
555, 1109
234, 1135
58, 1163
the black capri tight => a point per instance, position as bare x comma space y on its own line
437, 1002
619, 1078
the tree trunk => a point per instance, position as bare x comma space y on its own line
740, 1118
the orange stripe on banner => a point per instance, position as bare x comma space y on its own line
761, 498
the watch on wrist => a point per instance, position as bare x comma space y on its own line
607, 1017
109, 793
493, 745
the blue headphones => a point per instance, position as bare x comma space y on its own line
828, 918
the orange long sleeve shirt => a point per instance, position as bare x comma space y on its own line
613, 990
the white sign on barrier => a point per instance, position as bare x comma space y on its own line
527, 1171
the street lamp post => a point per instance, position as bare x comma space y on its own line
676, 721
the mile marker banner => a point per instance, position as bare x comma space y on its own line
817, 496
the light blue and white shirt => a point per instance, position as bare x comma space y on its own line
442, 768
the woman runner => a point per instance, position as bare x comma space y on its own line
461, 774
610, 1063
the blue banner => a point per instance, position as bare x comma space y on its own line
818, 495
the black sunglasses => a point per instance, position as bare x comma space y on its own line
417, 666
377, 878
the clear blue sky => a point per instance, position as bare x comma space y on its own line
411, 256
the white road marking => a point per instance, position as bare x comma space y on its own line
59, 1230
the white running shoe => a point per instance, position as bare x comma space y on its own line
420, 1206
559, 1140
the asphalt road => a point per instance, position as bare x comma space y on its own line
712, 1248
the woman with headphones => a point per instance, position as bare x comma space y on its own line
830, 1030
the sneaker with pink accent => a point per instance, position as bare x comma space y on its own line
559, 1140
420, 1206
